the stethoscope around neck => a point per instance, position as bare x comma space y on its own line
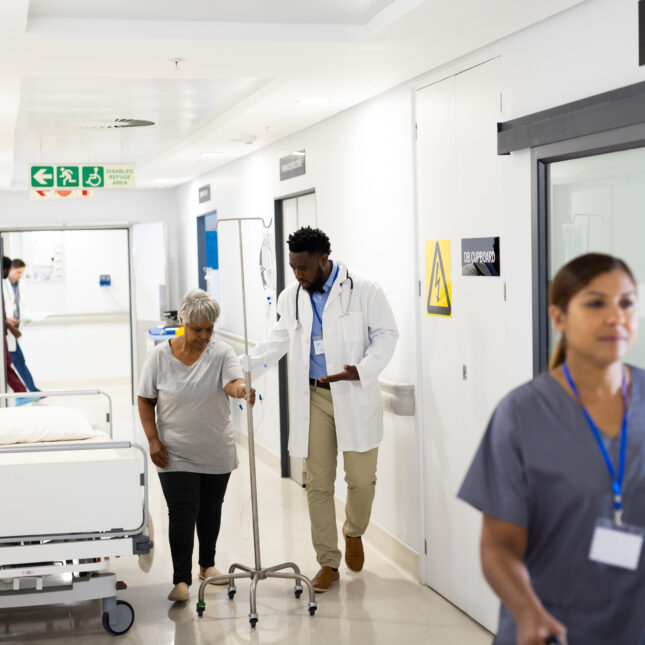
296, 324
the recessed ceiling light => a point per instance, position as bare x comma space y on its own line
113, 123
212, 154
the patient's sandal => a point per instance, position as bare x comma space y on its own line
179, 593
212, 571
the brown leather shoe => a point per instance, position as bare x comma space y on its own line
325, 578
354, 555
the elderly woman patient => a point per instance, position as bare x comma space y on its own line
186, 382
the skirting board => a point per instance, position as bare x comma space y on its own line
407, 559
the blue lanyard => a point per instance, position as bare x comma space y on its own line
616, 481
313, 304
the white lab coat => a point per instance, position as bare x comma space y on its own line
365, 336
9, 310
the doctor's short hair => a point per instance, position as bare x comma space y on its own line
197, 306
17, 263
311, 240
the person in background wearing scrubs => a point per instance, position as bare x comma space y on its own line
340, 333
184, 410
11, 286
560, 474
13, 380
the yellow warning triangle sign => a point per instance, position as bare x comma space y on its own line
438, 277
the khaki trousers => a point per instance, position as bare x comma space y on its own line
360, 475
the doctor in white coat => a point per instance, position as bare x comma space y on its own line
340, 333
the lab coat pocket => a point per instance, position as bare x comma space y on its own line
352, 326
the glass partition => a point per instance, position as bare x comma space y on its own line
597, 203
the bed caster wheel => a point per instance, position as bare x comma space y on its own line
253, 621
231, 594
122, 618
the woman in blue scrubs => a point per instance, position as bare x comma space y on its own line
560, 475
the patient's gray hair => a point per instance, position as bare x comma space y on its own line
197, 306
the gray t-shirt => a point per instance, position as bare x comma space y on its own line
193, 414
539, 466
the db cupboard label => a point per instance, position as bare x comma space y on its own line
480, 256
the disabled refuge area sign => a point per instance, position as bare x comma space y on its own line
69, 176
438, 284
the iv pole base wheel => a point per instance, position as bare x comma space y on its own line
312, 608
253, 620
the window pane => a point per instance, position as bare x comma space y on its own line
598, 204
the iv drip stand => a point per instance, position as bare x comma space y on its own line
257, 573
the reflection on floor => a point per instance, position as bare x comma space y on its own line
381, 605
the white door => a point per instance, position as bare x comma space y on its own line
149, 279
464, 356
296, 213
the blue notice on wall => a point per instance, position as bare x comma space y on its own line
105, 280
212, 255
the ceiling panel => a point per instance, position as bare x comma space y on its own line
345, 12
67, 119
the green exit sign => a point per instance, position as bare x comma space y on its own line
82, 176
42, 176
93, 177
67, 177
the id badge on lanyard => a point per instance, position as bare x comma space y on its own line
614, 542
319, 345
319, 341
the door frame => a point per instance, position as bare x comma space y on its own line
283, 390
131, 299
541, 157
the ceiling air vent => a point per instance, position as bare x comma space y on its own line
116, 123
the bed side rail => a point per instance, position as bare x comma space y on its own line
25, 395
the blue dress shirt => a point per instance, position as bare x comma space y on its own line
317, 363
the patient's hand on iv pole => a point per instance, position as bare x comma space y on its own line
349, 373
158, 453
237, 390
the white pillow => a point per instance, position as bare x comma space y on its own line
33, 424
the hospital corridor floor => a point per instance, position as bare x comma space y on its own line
381, 605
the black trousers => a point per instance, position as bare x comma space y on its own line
193, 499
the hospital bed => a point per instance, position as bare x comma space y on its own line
66, 508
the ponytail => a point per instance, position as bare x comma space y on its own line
559, 354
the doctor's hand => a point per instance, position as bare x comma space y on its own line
158, 453
12, 321
349, 373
